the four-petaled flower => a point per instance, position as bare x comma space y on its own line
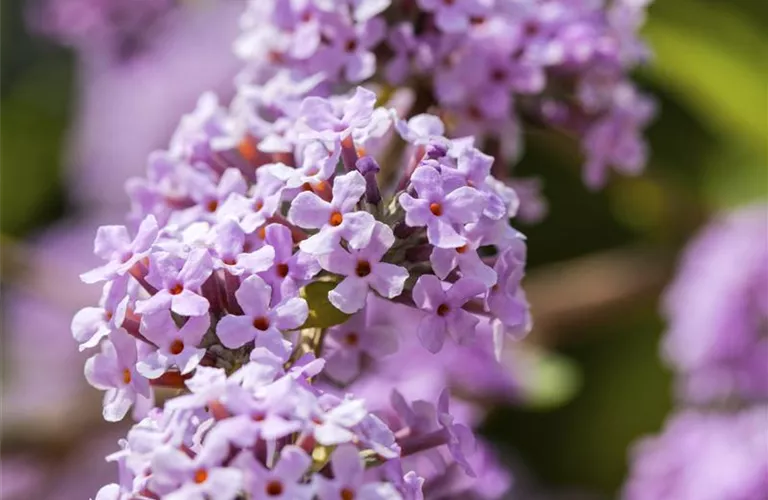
444, 310
362, 269
347, 483
177, 346
441, 212
336, 219
178, 284
262, 321
114, 245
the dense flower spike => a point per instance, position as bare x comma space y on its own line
703, 455
255, 266
491, 67
717, 309
290, 232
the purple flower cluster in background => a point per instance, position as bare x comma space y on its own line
283, 234
717, 309
703, 456
490, 68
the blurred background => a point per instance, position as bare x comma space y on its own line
81, 109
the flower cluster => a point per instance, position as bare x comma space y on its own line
253, 251
491, 67
717, 309
703, 456
266, 433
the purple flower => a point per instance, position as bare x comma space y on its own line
506, 300
347, 344
114, 370
283, 480
403, 42
441, 212
291, 270
703, 456
717, 308
362, 269
444, 310
461, 441
363, 10
264, 417
178, 283
333, 426
349, 50
421, 129
177, 346
209, 194
262, 321
228, 241
454, 16
91, 324
348, 481
337, 124
336, 219
469, 262
254, 210
318, 164
614, 139
203, 477
114, 245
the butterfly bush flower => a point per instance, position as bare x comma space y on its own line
297, 253
492, 68
703, 455
717, 308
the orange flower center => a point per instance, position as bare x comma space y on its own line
462, 249
201, 475
177, 289
126, 376
436, 209
247, 149
336, 219
212, 206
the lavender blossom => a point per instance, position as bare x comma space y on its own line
706, 456
277, 218
492, 68
717, 309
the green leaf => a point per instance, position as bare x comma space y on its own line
548, 379
322, 314
713, 59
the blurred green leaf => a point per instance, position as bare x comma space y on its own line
34, 117
322, 314
548, 379
714, 59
